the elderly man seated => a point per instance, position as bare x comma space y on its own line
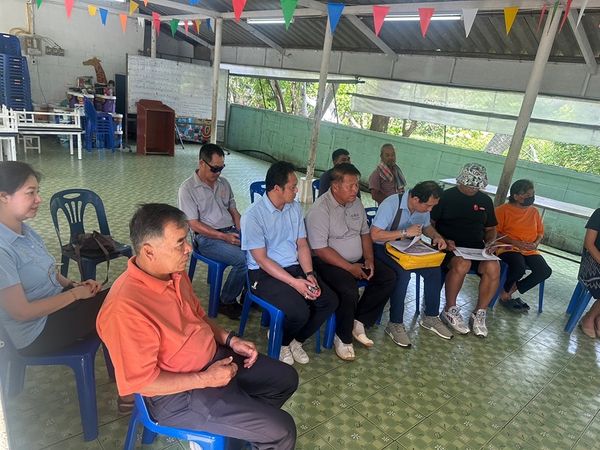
193, 373
465, 217
405, 216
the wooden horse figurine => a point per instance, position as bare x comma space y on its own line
100, 75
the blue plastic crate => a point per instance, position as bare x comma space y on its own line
10, 45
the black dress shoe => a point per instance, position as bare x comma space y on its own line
231, 310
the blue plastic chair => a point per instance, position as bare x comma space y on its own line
79, 357
371, 213
257, 187
214, 279
99, 128
73, 203
503, 274
273, 317
140, 415
579, 301
315, 187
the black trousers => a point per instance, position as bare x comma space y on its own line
248, 408
369, 307
66, 326
302, 317
517, 263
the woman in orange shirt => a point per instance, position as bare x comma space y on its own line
521, 226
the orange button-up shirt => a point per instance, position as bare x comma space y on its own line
523, 224
150, 325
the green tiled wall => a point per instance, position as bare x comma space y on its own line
287, 137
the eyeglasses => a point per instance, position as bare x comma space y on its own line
52, 274
215, 169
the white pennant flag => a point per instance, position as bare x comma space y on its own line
468, 19
581, 10
141, 22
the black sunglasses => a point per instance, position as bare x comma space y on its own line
214, 169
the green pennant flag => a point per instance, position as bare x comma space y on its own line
554, 11
39, 3
174, 24
288, 7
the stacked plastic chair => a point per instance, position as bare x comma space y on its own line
99, 128
15, 87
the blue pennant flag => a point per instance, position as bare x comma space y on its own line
103, 15
335, 12
194, 2
209, 24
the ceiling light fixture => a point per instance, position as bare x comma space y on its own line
266, 21
416, 18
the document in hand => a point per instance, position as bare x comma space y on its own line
475, 254
414, 247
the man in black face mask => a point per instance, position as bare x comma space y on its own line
522, 227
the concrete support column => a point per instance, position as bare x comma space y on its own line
533, 87
152, 41
305, 185
215, 79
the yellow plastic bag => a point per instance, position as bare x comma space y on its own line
412, 262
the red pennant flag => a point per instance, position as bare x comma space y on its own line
156, 22
186, 26
542, 14
145, 2
425, 15
123, 18
69, 7
379, 13
567, 10
238, 7
197, 25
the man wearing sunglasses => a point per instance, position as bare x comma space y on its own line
207, 200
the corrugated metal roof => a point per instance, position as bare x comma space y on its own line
487, 38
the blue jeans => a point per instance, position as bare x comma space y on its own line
432, 279
229, 254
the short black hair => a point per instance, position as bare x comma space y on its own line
208, 150
278, 174
338, 172
14, 174
519, 187
339, 152
425, 190
384, 146
150, 220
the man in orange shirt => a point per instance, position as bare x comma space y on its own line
192, 373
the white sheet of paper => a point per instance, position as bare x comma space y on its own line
475, 254
414, 247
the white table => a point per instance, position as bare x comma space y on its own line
543, 203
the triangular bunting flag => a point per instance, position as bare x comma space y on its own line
103, 15
156, 22
510, 15
145, 2
288, 7
123, 18
425, 15
379, 13
581, 10
132, 7
39, 3
209, 24
186, 26
92, 10
567, 11
197, 25
335, 12
554, 10
468, 19
542, 14
194, 2
69, 7
238, 7
174, 23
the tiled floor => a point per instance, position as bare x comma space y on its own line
527, 386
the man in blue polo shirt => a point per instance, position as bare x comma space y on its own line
405, 216
280, 265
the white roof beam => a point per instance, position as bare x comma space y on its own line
257, 34
584, 43
368, 33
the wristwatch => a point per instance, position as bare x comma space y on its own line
230, 336
403, 234
309, 273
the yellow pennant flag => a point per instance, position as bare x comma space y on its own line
510, 14
197, 25
132, 7
92, 10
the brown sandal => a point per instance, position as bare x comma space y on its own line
588, 332
125, 404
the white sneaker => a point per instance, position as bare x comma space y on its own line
453, 319
358, 332
298, 352
344, 351
285, 355
477, 323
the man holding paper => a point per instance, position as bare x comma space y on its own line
404, 217
465, 217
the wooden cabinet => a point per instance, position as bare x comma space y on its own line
155, 128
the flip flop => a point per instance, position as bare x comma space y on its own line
125, 404
589, 333
512, 304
